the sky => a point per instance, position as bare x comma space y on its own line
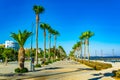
70, 18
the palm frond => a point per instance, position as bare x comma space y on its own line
38, 9
21, 37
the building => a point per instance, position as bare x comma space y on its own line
11, 44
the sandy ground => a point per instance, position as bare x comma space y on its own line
61, 70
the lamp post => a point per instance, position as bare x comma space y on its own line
31, 57
31, 64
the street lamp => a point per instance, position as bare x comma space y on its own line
31, 57
31, 62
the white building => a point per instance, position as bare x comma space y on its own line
11, 44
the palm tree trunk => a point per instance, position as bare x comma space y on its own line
21, 57
55, 47
6, 59
85, 49
37, 21
44, 43
49, 43
81, 52
87, 42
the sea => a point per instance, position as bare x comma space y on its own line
106, 58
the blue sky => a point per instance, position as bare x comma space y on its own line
70, 18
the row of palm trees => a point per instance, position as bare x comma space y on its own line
21, 37
84, 39
38, 10
51, 32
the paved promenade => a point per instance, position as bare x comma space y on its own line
61, 70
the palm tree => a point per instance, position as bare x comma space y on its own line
44, 27
87, 35
76, 48
82, 38
50, 30
55, 33
38, 10
62, 52
81, 41
21, 38
79, 44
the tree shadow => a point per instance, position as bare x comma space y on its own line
49, 68
58, 73
23, 74
44, 75
108, 74
97, 78
12, 74
101, 75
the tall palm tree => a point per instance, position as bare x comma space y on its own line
79, 48
55, 33
81, 41
76, 48
38, 10
87, 35
82, 38
21, 38
44, 27
50, 30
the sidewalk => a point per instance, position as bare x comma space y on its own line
61, 70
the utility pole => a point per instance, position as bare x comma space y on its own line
113, 53
96, 54
101, 53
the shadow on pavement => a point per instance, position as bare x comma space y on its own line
101, 76
58, 73
98, 78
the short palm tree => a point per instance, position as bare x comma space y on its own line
21, 38
44, 27
38, 10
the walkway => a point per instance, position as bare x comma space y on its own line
63, 70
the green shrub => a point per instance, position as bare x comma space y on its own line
17, 70
23, 70
46, 63
95, 65
57, 59
54, 60
118, 74
37, 65
49, 61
